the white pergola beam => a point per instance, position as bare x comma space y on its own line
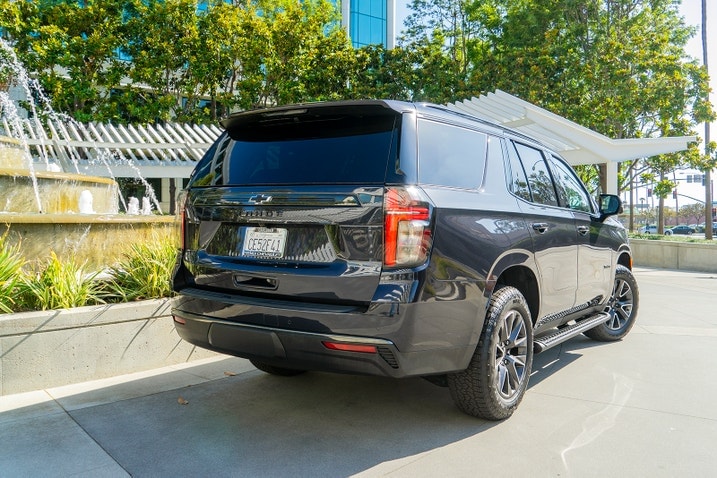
577, 144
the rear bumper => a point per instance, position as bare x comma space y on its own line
295, 337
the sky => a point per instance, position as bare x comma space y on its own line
692, 12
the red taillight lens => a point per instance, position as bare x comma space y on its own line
407, 231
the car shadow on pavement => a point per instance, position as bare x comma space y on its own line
254, 424
314, 424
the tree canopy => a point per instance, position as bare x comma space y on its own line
616, 66
152, 60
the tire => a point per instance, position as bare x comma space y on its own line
668, 233
271, 369
497, 377
622, 308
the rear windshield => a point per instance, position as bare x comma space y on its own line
332, 149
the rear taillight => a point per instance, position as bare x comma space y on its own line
407, 227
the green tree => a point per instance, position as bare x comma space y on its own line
383, 73
618, 67
163, 36
72, 48
13, 18
309, 54
233, 42
709, 161
691, 213
439, 37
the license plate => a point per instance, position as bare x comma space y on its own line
264, 242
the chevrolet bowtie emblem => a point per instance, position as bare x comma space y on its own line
260, 199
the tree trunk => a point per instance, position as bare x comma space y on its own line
708, 172
661, 208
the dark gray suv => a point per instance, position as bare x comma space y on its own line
396, 239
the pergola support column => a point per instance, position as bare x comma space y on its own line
608, 177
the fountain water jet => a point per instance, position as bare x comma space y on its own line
45, 210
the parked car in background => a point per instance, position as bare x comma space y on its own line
397, 239
648, 229
681, 229
701, 228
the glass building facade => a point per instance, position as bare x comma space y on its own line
369, 22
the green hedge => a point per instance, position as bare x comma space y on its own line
141, 273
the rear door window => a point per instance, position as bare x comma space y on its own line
450, 155
539, 178
517, 182
570, 190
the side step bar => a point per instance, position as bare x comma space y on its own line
544, 342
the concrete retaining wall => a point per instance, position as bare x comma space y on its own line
687, 256
41, 350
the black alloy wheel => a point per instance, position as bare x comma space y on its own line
621, 308
497, 377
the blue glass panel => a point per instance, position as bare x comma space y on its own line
378, 8
354, 27
364, 31
377, 30
363, 6
367, 22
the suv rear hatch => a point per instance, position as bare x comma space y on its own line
288, 204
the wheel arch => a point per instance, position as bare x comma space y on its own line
625, 259
524, 279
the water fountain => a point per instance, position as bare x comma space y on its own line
46, 209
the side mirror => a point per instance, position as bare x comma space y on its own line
610, 205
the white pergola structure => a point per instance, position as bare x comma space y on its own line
167, 152
577, 144
170, 151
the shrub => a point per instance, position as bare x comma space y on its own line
143, 273
11, 275
59, 285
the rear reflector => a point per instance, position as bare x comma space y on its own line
179, 320
361, 348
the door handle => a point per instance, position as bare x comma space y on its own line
540, 227
583, 230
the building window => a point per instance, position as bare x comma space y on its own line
368, 22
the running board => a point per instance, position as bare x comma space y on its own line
543, 343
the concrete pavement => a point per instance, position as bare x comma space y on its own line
641, 407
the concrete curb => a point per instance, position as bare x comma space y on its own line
46, 349
687, 256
